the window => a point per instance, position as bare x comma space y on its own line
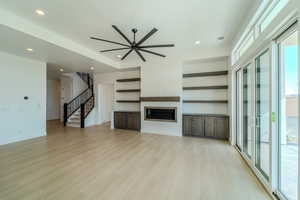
262, 18
262, 102
247, 43
272, 14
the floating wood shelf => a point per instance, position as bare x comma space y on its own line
161, 99
205, 101
205, 115
219, 87
203, 74
128, 101
131, 90
129, 80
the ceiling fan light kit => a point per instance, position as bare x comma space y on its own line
134, 45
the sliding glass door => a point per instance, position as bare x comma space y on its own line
267, 114
288, 114
262, 113
247, 136
239, 131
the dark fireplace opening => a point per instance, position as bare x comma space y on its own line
161, 114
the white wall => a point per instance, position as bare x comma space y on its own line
66, 91
105, 102
205, 65
78, 85
22, 119
102, 79
53, 99
162, 78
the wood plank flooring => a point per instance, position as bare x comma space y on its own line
103, 164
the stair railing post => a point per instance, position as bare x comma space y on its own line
65, 113
82, 115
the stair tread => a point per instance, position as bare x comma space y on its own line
73, 122
74, 118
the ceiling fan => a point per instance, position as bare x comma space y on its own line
135, 45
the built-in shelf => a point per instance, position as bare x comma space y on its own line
161, 99
130, 90
126, 111
204, 114
128, 101
205, 101
129, 80
204, 74
219, 87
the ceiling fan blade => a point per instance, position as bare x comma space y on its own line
151, 52
120, 32
126, 54
115, 49
94, 38
154, 30
140, 55
157, 46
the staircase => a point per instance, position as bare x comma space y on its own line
74, 120
77, 110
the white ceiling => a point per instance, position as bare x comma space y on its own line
16, 43
179, 22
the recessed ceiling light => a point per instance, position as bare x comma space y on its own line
40, 12
119, 56
92, 68
197, 42
61, 70
29, 49
221, 38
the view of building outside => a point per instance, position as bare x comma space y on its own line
292, 118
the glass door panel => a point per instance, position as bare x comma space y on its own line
262, 107
288, 116
239, 109
247, 141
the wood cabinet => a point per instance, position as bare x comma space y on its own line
222, 128
198, 126
201, 125
127, 120
187, 125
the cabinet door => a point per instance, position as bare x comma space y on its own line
187, 125
221, 128
210, 127
120, 120
198, 126
133, 121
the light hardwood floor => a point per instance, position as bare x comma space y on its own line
99, 163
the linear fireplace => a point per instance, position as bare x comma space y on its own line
167, 114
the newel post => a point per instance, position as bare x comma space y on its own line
82, 115
65, 113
